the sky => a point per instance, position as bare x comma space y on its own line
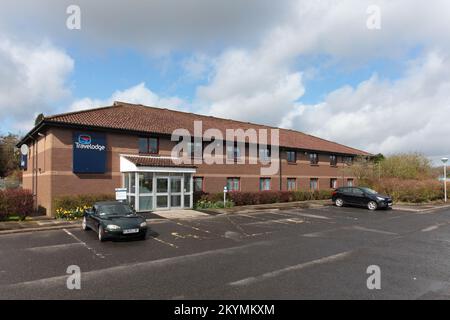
371, 74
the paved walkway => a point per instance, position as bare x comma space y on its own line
47, 223
181, 214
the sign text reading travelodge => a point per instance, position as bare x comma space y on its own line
89, 152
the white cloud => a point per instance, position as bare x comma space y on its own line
247, 85
262, 84
138, 94
32, 78
156, 26
409, 114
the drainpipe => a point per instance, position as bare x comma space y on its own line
281, 176
33, 173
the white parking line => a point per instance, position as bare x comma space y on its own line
276, 273
263, 221
433, 227
315, 216
124, 269
54, 247
84, 244
374, 230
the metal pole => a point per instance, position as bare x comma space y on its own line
445, 182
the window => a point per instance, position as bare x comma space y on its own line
291, 156
195, 149
233, 184
348, 160
233, 152
148, 145
264, 184
333, 160
145, 182
264, 154
198, 184
333, 183
314, 184
291, 184
349, 182
313, 158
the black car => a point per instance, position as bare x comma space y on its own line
114, 219
360, 196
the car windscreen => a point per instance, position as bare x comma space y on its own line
114, 209
369, 191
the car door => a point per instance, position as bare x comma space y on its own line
95, 218
359, 198
347, 195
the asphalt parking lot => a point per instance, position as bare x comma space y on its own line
320, 253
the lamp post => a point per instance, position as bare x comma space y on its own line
444, 160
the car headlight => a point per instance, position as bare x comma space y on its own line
143, 224
380, 198
112, 227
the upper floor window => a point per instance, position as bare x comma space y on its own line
333, 160
233, 152
291, 156
195, 149
264, 154
148, 145
264, 184
348, 160
313, 158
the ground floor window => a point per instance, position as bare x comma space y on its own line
198, 184
264, 184
291, 184
314, 184
349, 182
148, 191
233, 184
333, 183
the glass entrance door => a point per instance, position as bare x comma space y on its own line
175, 192
162, 192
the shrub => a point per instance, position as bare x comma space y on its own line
410, 190
263, 197
15, 202
206, 204
72, 207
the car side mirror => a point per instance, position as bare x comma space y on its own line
89, 212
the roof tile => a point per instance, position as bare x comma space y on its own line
133, 117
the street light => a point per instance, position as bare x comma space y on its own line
444, 160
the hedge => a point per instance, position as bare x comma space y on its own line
72, 207
15, 202
410, 190
262, 197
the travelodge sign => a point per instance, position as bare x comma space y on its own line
89, 152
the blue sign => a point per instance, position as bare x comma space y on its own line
24, 161
89, 152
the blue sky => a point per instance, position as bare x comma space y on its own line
375, 81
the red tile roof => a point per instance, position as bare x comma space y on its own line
154, 161
139, 118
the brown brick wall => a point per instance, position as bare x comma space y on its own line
55, 177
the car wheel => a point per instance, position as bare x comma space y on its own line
339, 202
84, 225
372, 205
101, 234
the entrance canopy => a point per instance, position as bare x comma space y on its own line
156, 183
